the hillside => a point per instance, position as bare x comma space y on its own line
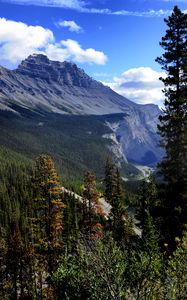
75, 142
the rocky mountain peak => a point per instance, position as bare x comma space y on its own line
45, 86
32, 62
39, 66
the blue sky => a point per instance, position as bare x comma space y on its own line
114, 41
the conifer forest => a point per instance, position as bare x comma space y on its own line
102, 238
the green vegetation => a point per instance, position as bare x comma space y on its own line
74, 142
172, 126
55, 246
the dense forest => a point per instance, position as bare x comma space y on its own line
94, 239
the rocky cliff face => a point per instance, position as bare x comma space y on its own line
136, 138
66, 73
51, 86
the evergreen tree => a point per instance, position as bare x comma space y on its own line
93, 211
90, 195
117, 213
14, 260
148, 202
172, 124
71, 221
48, 221
120, 223
110, 180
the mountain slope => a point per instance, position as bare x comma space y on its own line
43, 86
73, 141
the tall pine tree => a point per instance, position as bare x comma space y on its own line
110, 180
49, 210
172, 124
120, 223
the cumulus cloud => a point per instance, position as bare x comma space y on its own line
18, 40
71, 25
70, 49
141, 85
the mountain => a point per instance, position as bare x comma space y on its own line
46, 88
39, 83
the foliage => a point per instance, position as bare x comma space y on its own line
172, 125
96, 274
39, 262
48, 206
176, 287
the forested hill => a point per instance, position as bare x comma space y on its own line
75, 142
54, 246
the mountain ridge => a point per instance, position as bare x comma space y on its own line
61, 75
41, 85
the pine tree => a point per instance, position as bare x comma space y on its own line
110, 180
172, 124
119, 220
148, 201
92, 209
14, 261
48, 221
90, 193
71, 221
117, 213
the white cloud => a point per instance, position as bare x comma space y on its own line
142, 85
72, 50
18, 40
71, 25
73, 4
149, 13
80, 5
